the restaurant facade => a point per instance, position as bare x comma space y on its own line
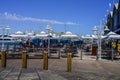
113, 19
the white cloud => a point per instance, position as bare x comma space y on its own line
71, 23
110, 4
5, 13
9, 16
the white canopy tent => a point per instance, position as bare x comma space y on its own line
87, 37
112, 35
69, 35
39, 35
42, 34
96, 37
18, 36
19, 33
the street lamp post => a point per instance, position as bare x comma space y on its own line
106, 30
99, 47
99, 40
7, 28
3, 31
98, 34
48, 28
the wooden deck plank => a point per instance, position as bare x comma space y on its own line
48, 75
14, 74
5, 72
29, 74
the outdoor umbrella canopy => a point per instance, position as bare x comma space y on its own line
73, 36
96, 37
36, 40
53, 40
103, 37
41, 35
17, 36
63, 40
87, 37
112, 35
69, 35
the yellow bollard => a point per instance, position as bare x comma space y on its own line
45, 60
69, 62
3, 59
24, 59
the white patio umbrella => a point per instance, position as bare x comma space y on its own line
18, 36
42, 34
69, 35
112, 35
87, 37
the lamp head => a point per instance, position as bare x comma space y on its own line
106, 28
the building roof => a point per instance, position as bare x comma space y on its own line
111, 13
116, 5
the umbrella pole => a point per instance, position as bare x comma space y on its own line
112, 53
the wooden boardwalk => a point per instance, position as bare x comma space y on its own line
27, 74
13, 71
81, 70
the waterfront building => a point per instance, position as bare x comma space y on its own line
113, 19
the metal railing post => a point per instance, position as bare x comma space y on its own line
81, 54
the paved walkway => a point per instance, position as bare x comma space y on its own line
81, 70
28, 74
86, 69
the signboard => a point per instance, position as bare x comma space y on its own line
118, 47
113, 44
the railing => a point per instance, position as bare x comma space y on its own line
38, 52
110, 54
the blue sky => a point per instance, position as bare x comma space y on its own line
80, 15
